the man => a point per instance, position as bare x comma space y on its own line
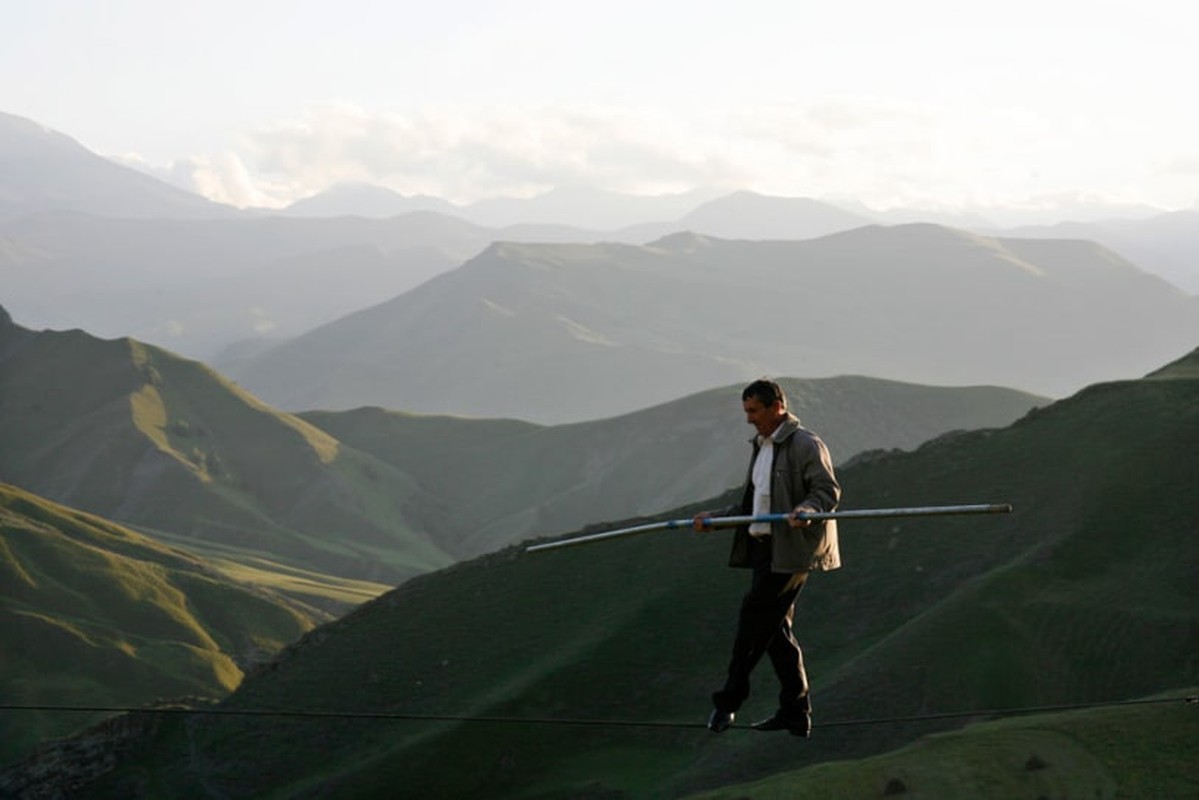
790, 472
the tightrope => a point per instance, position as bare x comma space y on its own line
401, 716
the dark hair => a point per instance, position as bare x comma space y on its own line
766, 392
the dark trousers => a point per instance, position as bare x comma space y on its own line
764, 627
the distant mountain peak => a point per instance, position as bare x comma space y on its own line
44, 170
360, 199
682, 242
750, 215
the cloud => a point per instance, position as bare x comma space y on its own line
467, 154
884, 153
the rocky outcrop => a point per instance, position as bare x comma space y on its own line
60, 769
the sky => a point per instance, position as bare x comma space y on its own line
923, 103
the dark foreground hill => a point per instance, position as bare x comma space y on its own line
141, 436
94, 614
1146, 749
564, 333
1084, 594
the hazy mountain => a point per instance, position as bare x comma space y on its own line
587, 216
1067, 600
141, 436
43, 170
92, 613
579, 207
365, 200
1164, 244
747, 215
559, 333
514, 480
200, 286
994, 219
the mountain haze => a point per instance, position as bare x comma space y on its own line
748, 215
1067, 600
621, 327
364, 200
43, 170
1164, 244
587, 216
580, 207
198, 286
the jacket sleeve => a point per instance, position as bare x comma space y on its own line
823, 491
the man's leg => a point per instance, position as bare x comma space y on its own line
786, 657
765, 613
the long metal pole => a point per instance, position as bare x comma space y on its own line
732, 522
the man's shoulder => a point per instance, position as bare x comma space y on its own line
804, 438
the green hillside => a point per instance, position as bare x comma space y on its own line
1085, 594
92, 613
512, 480
1141, 751
139, 435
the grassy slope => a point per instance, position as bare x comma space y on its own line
330, 593
139, 435
1086, 593
1137, 751
94, 613
514, 480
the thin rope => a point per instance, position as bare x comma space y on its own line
565, 721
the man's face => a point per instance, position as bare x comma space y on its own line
764, 418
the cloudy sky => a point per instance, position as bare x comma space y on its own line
933, 103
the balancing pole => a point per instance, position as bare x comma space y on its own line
732, 522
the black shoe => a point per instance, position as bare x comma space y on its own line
796, 726
720, 721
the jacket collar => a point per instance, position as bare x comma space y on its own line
788, 426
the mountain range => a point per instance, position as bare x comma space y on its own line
1083, 595
142, 436
88, 243
562, 333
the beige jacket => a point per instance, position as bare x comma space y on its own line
802, 473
